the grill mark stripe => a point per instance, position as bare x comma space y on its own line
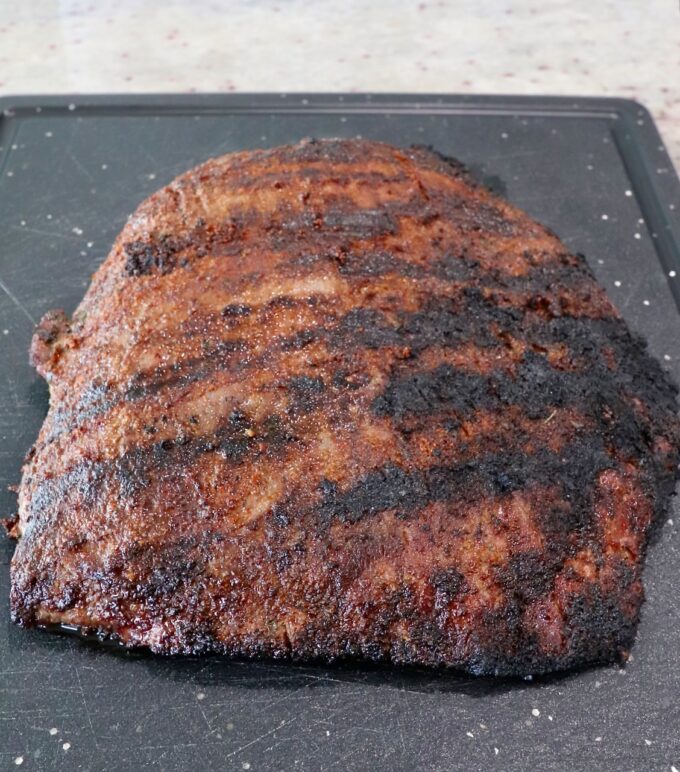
99, 399
391, 488
235, 440
191, 370
455, 272
363, 328
293, 174
443, 324
561, 272
535, 389
386, 488
164, 255
258, 169
283, 228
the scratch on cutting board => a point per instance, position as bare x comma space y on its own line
16, 301
261, 737
52, 234
506, 156
79, 164
86, 708
351, 752
12, 386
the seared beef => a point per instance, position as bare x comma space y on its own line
335, 400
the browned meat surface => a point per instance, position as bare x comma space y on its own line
335, 400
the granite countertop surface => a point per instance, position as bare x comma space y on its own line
608, 48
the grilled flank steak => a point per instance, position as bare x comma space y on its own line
334, 400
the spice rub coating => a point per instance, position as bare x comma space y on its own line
336, 400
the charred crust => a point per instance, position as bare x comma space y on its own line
11, 526
49, 334
390, 488
236, 310
448, 584
428, 155
143, 258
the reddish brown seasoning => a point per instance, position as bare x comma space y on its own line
337, 400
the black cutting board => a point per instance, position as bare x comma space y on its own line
71, 170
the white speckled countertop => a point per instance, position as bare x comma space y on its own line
578, 47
